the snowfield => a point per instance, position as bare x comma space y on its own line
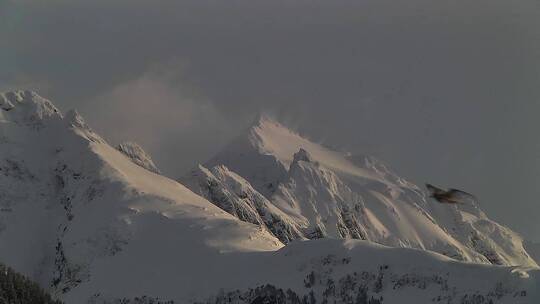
96, 224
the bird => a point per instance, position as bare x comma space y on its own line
450, 196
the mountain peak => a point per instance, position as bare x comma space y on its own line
270, 137
27, 107
16, 96
334, 193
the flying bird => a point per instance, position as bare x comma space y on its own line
450, 196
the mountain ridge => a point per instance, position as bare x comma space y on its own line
91, 226
329, 193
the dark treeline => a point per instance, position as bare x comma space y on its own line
18, 289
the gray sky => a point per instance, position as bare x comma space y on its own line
444, 91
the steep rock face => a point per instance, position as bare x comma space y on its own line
333, 194
320, 201
235, 195
136, 153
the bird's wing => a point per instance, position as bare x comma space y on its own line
459, 195
434, 190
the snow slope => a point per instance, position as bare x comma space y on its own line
91, 226
328, 193
69, 200
337, 271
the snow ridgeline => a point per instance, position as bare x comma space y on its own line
298, 190
91, 226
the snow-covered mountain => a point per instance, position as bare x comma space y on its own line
70, 202
325, 193
91, 225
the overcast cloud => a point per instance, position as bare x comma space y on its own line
444, 91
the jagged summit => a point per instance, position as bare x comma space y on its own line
27, 107
272, 137
263, 155
328, 193
269, 137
